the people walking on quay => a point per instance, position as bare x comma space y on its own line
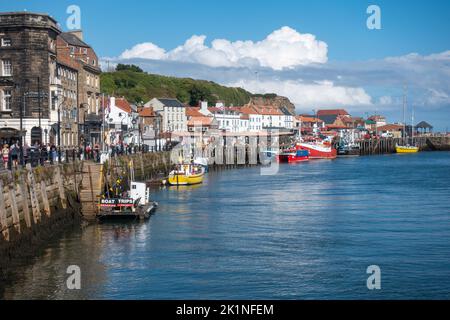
25, 151
44, 155
54, 154
5, 155
14, 153
88, 151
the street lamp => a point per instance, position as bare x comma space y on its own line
59, 120
17, 88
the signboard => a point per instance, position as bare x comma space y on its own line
36, 94
117, 202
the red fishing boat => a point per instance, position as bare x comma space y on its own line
319, 150
295, 154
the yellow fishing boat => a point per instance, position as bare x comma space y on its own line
186, 174
406, 149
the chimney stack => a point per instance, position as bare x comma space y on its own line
77, 33
204, 107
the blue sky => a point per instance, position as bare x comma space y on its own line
112, 26
355, 57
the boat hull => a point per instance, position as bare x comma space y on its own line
348, 152
291, 158
319, 152
142, 213
404, 149
185, 180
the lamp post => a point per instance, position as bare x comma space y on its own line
59, 133
17, 88
158, 133
59, 105
39, 108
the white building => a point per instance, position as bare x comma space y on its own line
173, 113
118, 121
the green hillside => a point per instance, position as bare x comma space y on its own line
138, 86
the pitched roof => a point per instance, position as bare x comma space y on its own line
328, 112
249, 110
308, 119
73, 40
202, 120
147, 112
171, 102
377, 117
424, 125
123, 104
193, 112
328, 118
390, 127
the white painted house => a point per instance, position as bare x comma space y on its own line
173, 114
118, 120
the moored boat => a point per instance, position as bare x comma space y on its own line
319, 150
296, 154
348, 151
186, 174
406, 149
134, 204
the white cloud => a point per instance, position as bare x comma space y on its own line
146, 50
386, 100
320, 94
284, 48
437, 97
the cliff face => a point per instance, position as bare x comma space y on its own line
273, 100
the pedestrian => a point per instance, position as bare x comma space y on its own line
5, 155
53, 153
26, 149
88, 151
14, 151
44, 155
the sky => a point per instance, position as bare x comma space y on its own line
319, 53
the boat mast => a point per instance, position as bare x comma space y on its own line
412, 124
404, 112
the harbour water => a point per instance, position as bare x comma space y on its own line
308, 232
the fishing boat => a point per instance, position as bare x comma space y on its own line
118, 202
319, 150
407, 148
295, 154
134, 203
186, 174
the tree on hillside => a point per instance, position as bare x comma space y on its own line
199, 93
128, 67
